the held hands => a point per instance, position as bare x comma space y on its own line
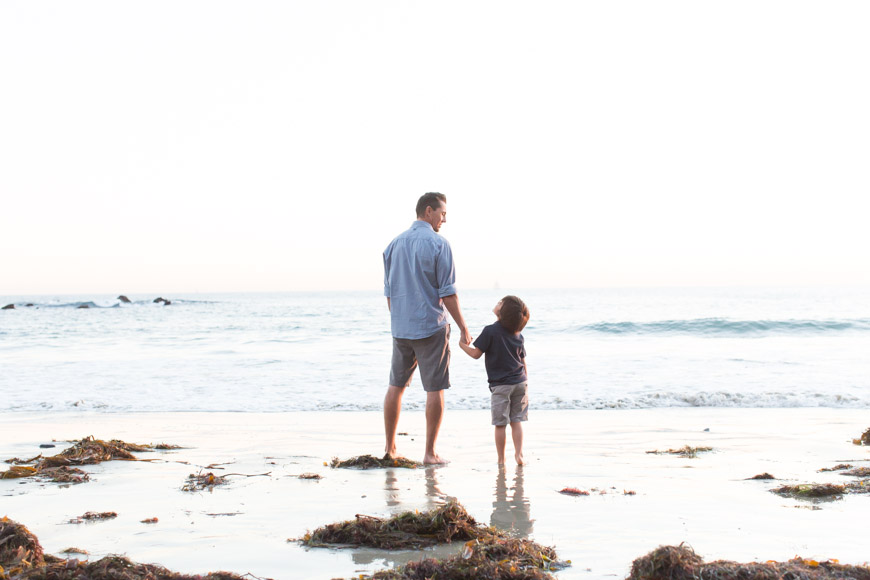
465, 338
471, 351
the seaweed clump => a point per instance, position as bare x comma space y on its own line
489, 554
811, 490
402, 531
372, 462
764, 475
864, 439
93, 516
22, 558
858, 487
681, 563
839, 467
671, 562
202, 481
858, 472
685, 451
61, 468
19, 548
573, 491
487, 558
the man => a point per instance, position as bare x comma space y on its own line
419, 280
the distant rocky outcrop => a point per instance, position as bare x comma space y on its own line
163, 300
8, 307
124, 299
83, 306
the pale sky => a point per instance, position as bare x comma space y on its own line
181, 146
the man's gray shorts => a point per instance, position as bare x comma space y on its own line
510, 403
433, 355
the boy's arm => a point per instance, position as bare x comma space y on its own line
471, 351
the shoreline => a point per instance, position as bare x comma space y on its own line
243, 527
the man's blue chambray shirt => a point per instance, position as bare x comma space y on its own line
418, 273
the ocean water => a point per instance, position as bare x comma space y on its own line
587, 349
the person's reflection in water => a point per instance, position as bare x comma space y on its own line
434, 496
512, 514
391, 488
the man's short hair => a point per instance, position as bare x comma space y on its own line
514, 314
432, 199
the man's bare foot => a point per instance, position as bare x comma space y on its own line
434, 459
519, 458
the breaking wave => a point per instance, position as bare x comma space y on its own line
723, 326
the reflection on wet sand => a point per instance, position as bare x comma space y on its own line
394, 558
391, 489
513, 514
434, 495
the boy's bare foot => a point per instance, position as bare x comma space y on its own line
519, 458
434, 459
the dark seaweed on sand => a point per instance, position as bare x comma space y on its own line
203, 481
61, 468
810, 490
22, 558
685, 451
90, 451
681, 563
764, 475
858, 487
372, 462
864, 439
573, 491
489, 554
93, 516
858, 472
488, 558
838, 467
402, 531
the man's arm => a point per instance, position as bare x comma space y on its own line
389, 306
452, 304
471, 351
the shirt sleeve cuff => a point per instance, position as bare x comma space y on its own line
447, 291
387, 291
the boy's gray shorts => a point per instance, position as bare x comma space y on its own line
510, 403
433, 355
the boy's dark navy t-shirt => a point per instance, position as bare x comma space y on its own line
504, 352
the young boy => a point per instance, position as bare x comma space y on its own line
506, 371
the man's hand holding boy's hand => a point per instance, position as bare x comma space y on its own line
471, 351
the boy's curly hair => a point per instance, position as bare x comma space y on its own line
514, 314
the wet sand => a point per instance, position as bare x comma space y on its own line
243, 527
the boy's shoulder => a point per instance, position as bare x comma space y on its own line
495, 327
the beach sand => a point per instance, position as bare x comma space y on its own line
243, 527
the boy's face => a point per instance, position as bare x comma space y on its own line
497, 309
